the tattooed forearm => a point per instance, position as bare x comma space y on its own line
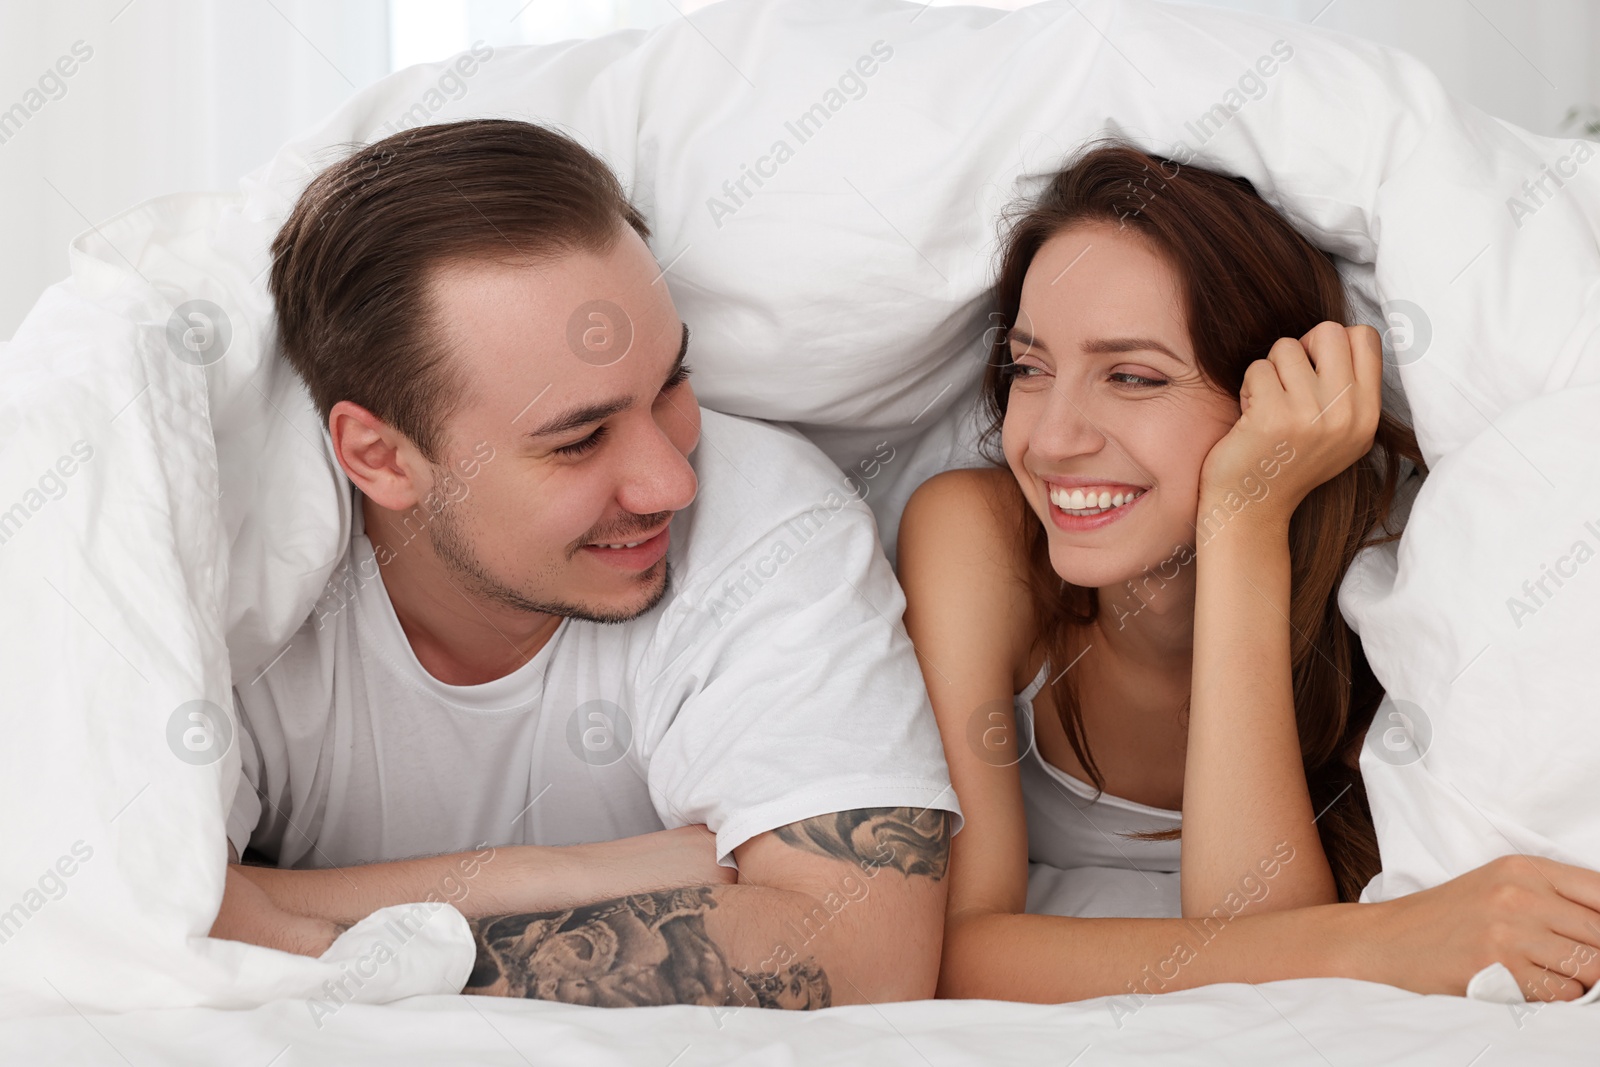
650, 948
802, 986
653, 948
910, 841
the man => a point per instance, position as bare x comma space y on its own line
562, 627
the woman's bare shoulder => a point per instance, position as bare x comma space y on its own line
961, 555
984, 504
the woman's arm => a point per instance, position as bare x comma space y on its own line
1244, 783
1304, 419
967, 615
1535, 916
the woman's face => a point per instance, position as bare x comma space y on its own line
1108, 404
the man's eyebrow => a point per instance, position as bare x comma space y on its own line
578, 418
1099, 346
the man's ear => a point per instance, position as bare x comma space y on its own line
380, 460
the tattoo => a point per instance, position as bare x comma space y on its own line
805, 987
645, 949
910, 841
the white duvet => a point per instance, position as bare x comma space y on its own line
165, 525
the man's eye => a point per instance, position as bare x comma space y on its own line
578, 448
679, 376
1134, 379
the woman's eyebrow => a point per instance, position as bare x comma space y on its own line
1097, 346
1017, 335
1128, 344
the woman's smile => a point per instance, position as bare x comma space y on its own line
1078, 504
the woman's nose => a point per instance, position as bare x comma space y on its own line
1067, 427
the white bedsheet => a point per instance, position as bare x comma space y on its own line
1320, 1021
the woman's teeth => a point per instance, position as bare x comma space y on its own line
1077, 502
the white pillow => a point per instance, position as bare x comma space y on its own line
846, 294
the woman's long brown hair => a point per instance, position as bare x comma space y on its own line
1247, 278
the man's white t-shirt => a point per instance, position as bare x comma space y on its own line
773, 683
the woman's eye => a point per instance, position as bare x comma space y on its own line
578, 448
1023, 370
1123, 378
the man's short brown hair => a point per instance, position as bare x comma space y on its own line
351, 266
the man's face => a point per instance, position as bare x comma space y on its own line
573, 378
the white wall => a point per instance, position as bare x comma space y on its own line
192, 94
177, 94
1526, 61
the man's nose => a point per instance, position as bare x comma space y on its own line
658, 477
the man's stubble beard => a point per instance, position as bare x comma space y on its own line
455, 551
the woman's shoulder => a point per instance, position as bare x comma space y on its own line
978, 504
962, 554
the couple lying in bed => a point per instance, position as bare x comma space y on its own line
578, 609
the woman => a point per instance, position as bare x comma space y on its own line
1131, 624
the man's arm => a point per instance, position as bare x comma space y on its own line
839, 909
303, 911
248, 914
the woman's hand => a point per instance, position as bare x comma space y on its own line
1307, 411
1538, 917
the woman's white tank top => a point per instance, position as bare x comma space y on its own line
1080, 862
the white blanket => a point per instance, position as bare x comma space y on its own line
164, 526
